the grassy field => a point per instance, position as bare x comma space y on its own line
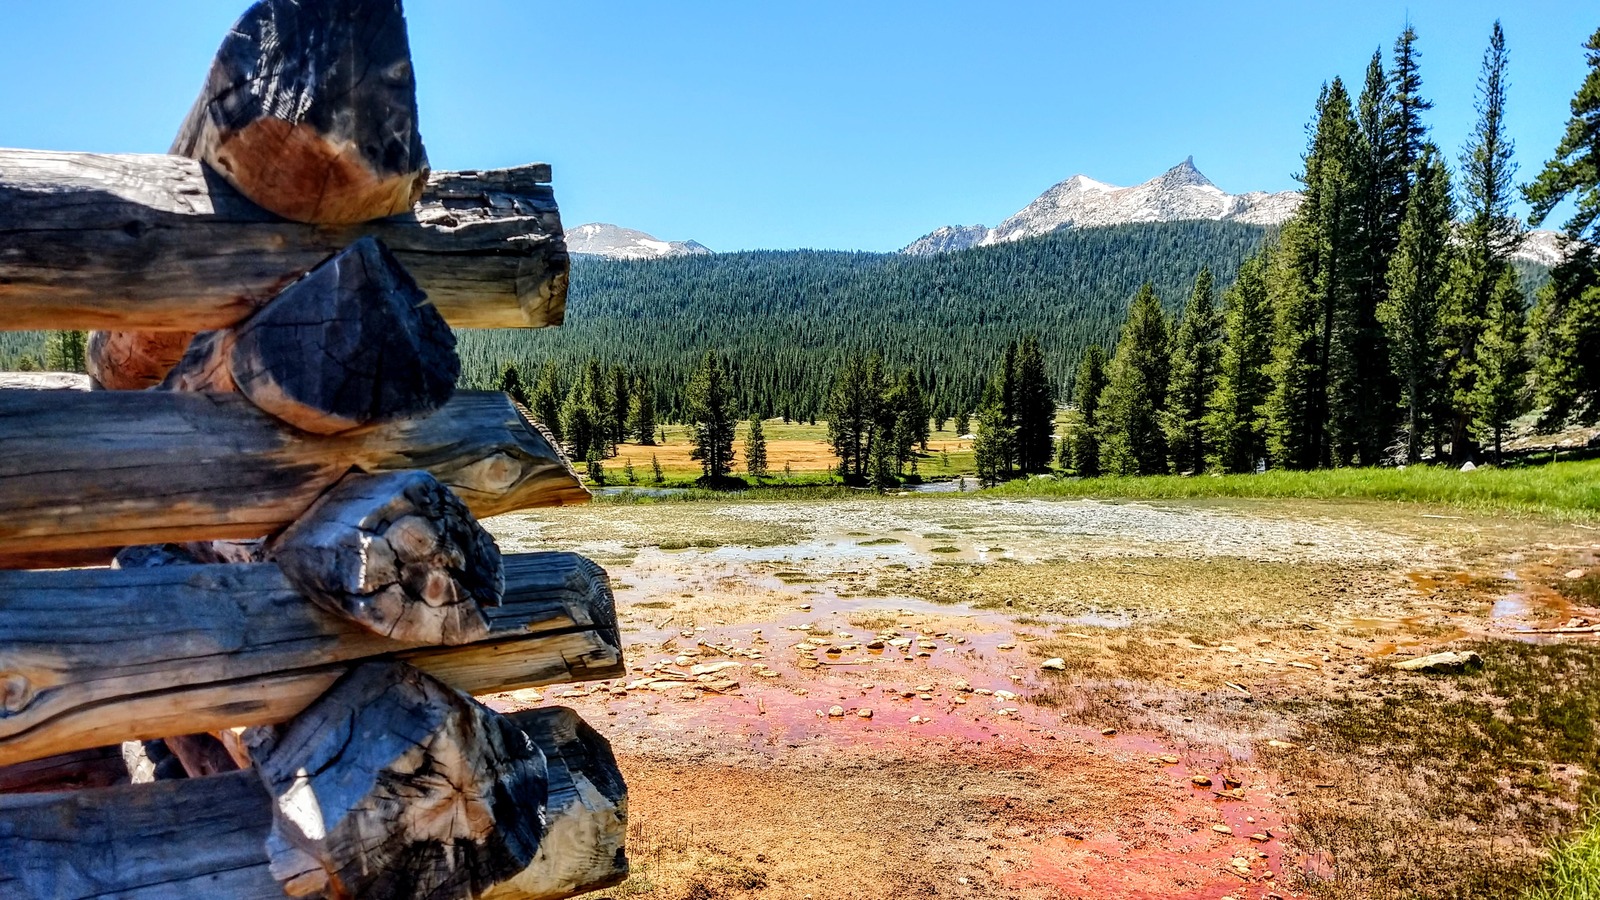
1566, 491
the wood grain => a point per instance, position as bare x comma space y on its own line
310, 110
205, 838
147, 653
109, 469
159, 243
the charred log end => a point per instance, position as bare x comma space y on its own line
398, 553
133, 360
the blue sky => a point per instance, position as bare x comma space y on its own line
857, 125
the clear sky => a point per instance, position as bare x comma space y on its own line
856, 125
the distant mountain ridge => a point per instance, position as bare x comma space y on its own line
616, 242
1180, 194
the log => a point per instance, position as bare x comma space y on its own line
92, 656
44, 381
109, 469
310, 110
354, 343
158, 243
94, 767
132, 360
206, 838
398, 554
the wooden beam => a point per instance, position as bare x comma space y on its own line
94, 767
157, 243
354, 343
399, 555
310, 110
206, 838
83, 470
95, 656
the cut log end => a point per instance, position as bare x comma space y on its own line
133, 360
352, 344
310, 110
393, 785
398, 553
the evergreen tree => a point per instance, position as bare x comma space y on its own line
1195, 351
1131, 407
1411, 135
1235, 422
711, 418
853, 412
963, 423
595, 390
1001, 395
643, 421
628, 473
1312, 405
546, 398
621, 404
1034, 416
1087, 390
1418, 279
594, 469
64, 351
510, 382
655, 470
1499, 391
755, 449
1488, 238
993, 438
1566, 320
578, 428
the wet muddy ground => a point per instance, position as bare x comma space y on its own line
968, 697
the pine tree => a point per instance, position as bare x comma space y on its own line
655, 470
1087, 390
963, 423
1488, 238
1566, 319
1499, 391
595, 391
578, 429
992, 438
1409, 105
628, 473
755, 449
546, 398
1311, 282
621, 404
853, 412
510, 382
64, 351
643, 421
1235, 422
711, 418
1131, 407
1418, 279
1034, 416
594, 469
1195, 351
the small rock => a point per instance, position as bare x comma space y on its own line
1004, 695
962, 686
1201, 781
864, 713
1449, 662
875, 645
1281, 745
1260, 837
1056, 664
835, 712
1107, 732
1170, 760
1005, 646
1222, 829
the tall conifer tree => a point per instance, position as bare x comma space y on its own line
1419, 275
709, 397
546, 398
1499, 389
1195, 352
1087, 389
1035, 414
1566, 321
1488, 238
1236, 411
1131, 438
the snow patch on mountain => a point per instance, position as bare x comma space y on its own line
616, 242
1545, 248
1181, 193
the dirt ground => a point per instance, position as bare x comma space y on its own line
969, 697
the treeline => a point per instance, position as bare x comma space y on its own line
784, 322
1386, 321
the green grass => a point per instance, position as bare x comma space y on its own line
1573, 870
1567, 490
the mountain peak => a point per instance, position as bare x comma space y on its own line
616, 242
1181, 193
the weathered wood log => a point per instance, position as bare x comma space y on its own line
206, 838
92, 656
157, 243
398, 554
354, 343
81, 470
310, 110
393, 785
132, 360
44, 381
201, 754
94, 767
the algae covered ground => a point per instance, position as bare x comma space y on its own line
993, 695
